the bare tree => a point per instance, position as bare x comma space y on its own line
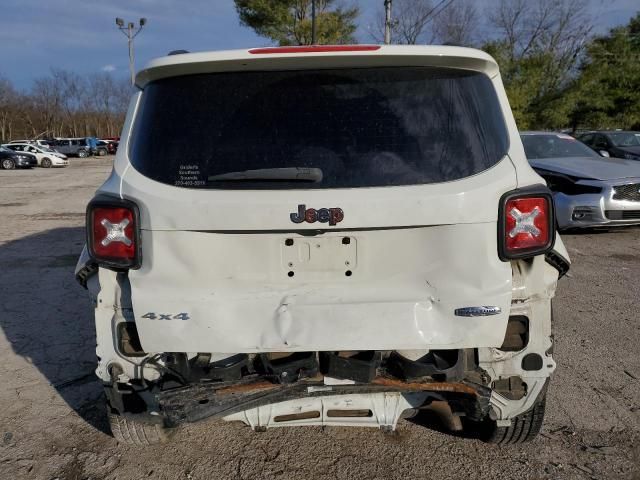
539, 46
106, 103
551, 33
45, 106
427, 21
457, 24
409, 19
101, 95
64, 104
543, 26
9, 108
72, 89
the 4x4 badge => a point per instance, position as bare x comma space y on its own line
322, 215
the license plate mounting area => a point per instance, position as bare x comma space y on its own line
326, 254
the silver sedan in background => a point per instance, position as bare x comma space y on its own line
588, 190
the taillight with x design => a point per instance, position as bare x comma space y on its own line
527, 225
112, 230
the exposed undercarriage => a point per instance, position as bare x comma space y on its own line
370, 388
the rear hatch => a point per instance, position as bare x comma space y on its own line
308, 208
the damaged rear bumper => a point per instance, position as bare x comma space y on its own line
323, 388
262, 404
200, 402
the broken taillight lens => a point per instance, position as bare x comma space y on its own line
112, 231
527, 223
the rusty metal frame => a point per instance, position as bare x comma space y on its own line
199, 401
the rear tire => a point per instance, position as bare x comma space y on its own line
523, 428
102, 153
82, 154
132, 432
46, 163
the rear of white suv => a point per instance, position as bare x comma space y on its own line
323, 236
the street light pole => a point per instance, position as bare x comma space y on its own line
387, 22
131, 32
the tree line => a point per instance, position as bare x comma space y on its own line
64, 104
557, 72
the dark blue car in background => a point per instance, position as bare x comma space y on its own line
10, 159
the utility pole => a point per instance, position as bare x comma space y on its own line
313, 22
131, 32
387, 22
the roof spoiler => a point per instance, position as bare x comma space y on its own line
317, 57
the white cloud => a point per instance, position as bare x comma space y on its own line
109, 68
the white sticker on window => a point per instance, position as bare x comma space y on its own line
189, 176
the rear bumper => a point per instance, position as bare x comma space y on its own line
388, 401
263, 400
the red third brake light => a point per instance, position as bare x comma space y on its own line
112, 233
314, 49
527, 224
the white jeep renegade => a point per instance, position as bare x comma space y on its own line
329, 235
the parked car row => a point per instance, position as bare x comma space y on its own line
84, 147
54, 152
45, 156
591, 186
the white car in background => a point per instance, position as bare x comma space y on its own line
589, 190
46, 157
40, 143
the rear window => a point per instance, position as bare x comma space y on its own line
318, 129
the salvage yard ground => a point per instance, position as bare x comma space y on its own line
51, 409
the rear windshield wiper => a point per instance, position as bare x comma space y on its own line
288, 174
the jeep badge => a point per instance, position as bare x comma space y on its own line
323, 215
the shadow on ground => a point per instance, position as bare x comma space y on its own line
47, 317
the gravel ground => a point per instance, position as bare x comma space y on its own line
51, 409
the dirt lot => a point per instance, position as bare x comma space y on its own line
51, 409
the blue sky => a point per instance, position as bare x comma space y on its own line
81, 35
